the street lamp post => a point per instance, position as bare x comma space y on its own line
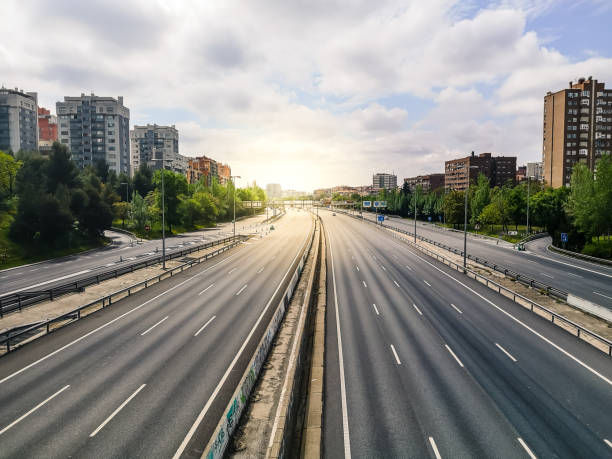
467, 190
415, 212
234, 177
163, 172
527, 230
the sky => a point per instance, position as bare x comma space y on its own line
316, 93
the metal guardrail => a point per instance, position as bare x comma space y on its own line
21, 299
518, 277
580, 256
13, 337
580, 331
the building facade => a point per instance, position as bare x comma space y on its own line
386, 181
459, 173
577, 129
534, 170
225, 173
426, 182
18, 120
96, 128
151, 143
47, 130
274, 190
203, 166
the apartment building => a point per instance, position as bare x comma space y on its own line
95, 128
203, 166
577, 129
274, 190
534, 171
384, 181
47, 130
459, 173
151, 143
18, 120
225, 173
426, 182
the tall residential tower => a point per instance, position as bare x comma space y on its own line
18, 120
96, 128
151, 143
577, 129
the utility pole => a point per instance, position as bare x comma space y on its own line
415, 212
465, 225
527, 230
234, 177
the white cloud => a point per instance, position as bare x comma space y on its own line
292, 92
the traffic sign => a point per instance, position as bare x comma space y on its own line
381, 218
366, 204
147, 228
563, 237
380, 203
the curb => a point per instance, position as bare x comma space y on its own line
580, 256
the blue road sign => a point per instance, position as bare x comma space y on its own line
366, 204
381, 218
380, 203
429, 218
563, 237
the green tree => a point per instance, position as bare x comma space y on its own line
121, 210
143, 180
175, 188
480, 196
139, 211
9, 167
61, 169
454, 207
490, 215
581, 203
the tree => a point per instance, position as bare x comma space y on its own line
581, 203
139, 211
143, 180
190, 212
454, 206
95, 215
517, 204
60, 169
175, 187
9, 167
121, 210
480, 196
490, 215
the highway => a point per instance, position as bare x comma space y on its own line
422, 361
151, 375
122, 251
590, 281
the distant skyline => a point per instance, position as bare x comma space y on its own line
319, 93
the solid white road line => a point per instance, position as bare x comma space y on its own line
573, 266
364, 284
376, 309
151, 328
204, 326
345, 424
396, 284
456, 308
21, 418
524, 445
506, 352
260, 270
608, 442
205, 289
427, 282
605, 296
453, 354
547, 275
66, 346
418, 310
435, 448
357, 267
114, 413
507, 314
48, 282
395, 354
232, 270
243, 287
206, 407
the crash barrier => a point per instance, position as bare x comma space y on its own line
11, 339
219, 441
580, 256
18, 300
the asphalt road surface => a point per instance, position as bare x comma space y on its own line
151, 375
122, 251
424, 362
590, 281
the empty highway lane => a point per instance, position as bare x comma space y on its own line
424, 362
150, 376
